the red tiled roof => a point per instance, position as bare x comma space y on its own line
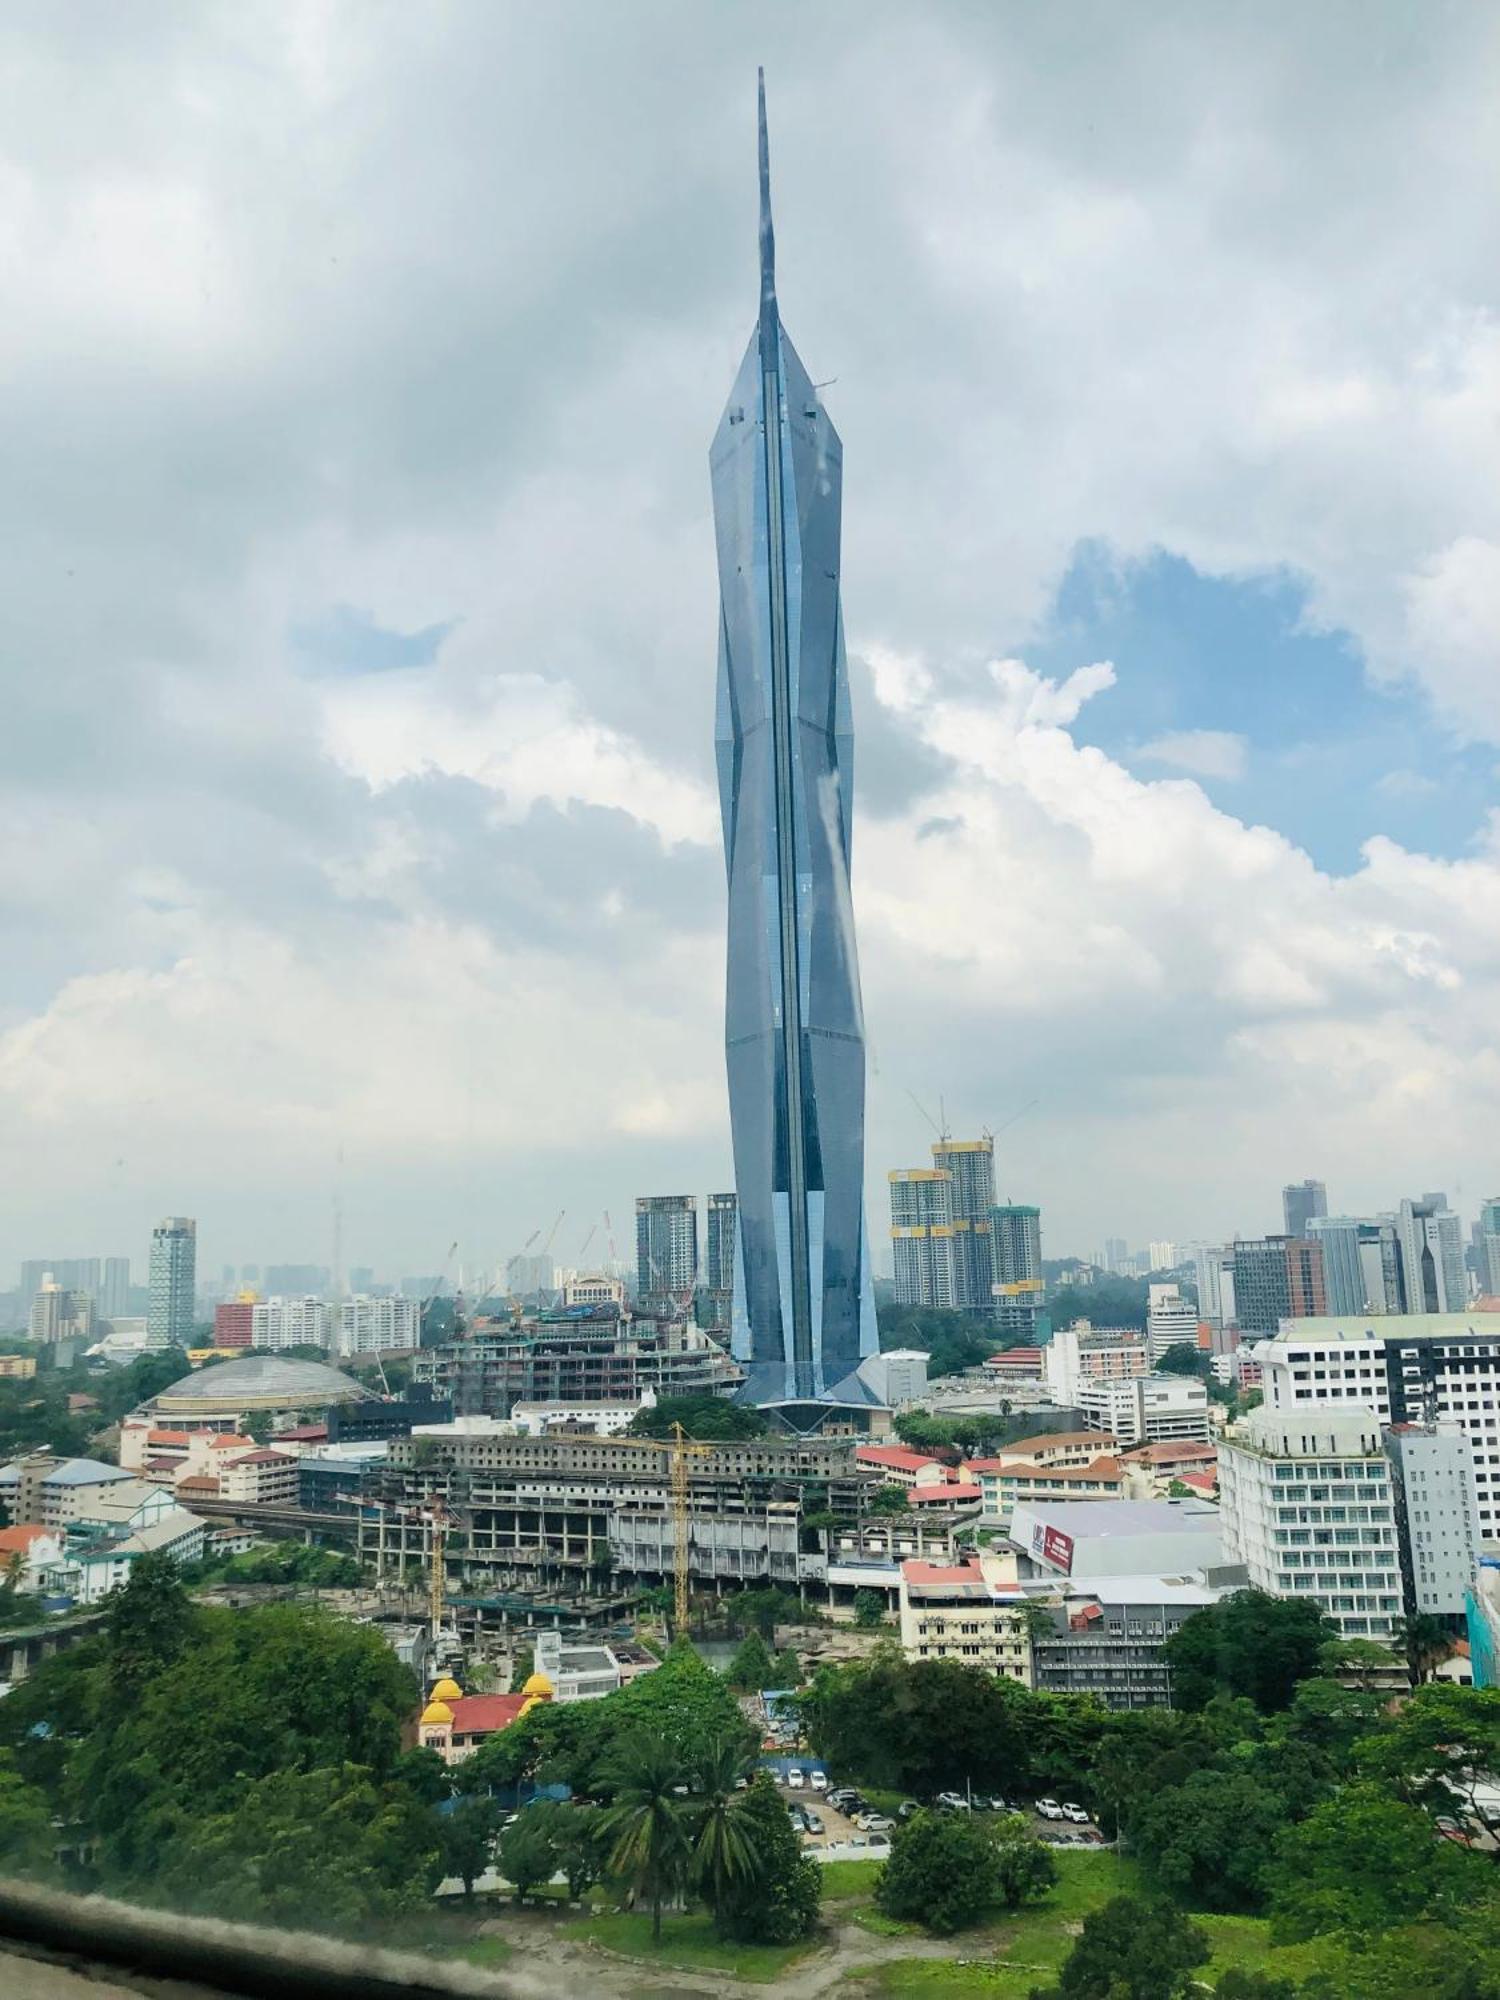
1169, 1454
1014, 1357
477, 1714
169, 1437
198, 1482
228, 1440
303, 1434
1103, 1467
16, 1541
948, 1494
896, 1456
1025, 1447
264, 1458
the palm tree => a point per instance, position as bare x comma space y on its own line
647, 1826
726, 1852
1427, 1642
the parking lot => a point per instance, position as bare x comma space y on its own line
835, 1831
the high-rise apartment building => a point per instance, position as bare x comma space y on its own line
234, 1322
72, 1274
1215, 1268
58, 1312
1306, 1504
794, 1028
666, 1248
113, 1299
1171, 1320
524, 1275
1276, 1278
1430, 1237
721, 1238
1162, 1255
1300, 1202
922, 1236
1437, 1517
971, 1163
174, 1268
304, 1322
1409, 1368
1488, 1245
1016, 1255
367, 1325
1116, 1253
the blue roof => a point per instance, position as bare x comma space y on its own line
84, 1472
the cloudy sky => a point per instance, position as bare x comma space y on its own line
357, 644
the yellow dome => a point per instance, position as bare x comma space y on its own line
447, 1689
539, 1687
437, 1711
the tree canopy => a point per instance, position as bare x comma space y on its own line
702, 1416
1249, 1644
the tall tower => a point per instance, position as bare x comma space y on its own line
666, 1248
174, 1266
971, 1163
804, 1314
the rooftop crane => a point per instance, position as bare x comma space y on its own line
679, 1448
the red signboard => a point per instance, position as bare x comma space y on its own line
1057, 1549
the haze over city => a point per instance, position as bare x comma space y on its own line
357, 775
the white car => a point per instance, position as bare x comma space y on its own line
1075, 1813
794, 1778
1049, 1809
819, 1780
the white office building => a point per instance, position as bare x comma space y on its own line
1407, 1368
1308, 1508
1437, 1520
1147, 1409
1434, 1276
1215, 1267
897, 1377
1083, 1353
1171, 1320
376, 1326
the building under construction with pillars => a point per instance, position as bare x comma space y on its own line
582, 1354
555, 1514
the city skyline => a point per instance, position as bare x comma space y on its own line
382, 665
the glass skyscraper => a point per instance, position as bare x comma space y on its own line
804, 1315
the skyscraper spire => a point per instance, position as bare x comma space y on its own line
804, 1314
767, 233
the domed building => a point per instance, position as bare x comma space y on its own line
230, 1390
454, 1724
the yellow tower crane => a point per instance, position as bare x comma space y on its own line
680, 1449
437, 1581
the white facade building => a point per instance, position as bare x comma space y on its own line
377, 1326
1171, 1321
277, 1323
1437, 1518
1309, 1508
1148, 1409
897, 1377
1407, 1368
1083, 1353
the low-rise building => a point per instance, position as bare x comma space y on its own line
261, 1479
454, 1724
99, 1567
970, 1611
899, 1466
587, 1670
1083, 1353
1016, 1364
1152, 1469
27, 1551
55, 1491
1108, 1636
1003, 1482
340, 1478
601, 1417
1148, 1409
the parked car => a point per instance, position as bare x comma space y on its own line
814, 1822
1049, 1809
869, 1840
818, 1780
952, 1802
742, 1784
875, 1823
1075, 1813
795, 1778
906, 1809
994, 1803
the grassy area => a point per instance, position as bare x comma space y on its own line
486, 1951
688, 1942
1019, 1950
848, 1878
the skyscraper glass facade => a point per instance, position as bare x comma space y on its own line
794, 1030
174, 1269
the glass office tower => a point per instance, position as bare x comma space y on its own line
804, 1314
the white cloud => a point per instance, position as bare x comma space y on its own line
1206, 753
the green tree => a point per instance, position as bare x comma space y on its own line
1237, 1984
869, 1609
1360, 1662
1182, 1360
1026, 1869
1205, 1841
922, 1725
576, 1845
778, 1903
26, 1837
888, 1500
764, 1609
468, 1837
1249, 1644
527, 1853
1439, 1750
752, 1667
703, 1416
1426, 1642
149, 1623
647, 1824
788, 1671
1364, 1862
1132, 1950
951, 1341
725, 1853
944, 1872
424, 1774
